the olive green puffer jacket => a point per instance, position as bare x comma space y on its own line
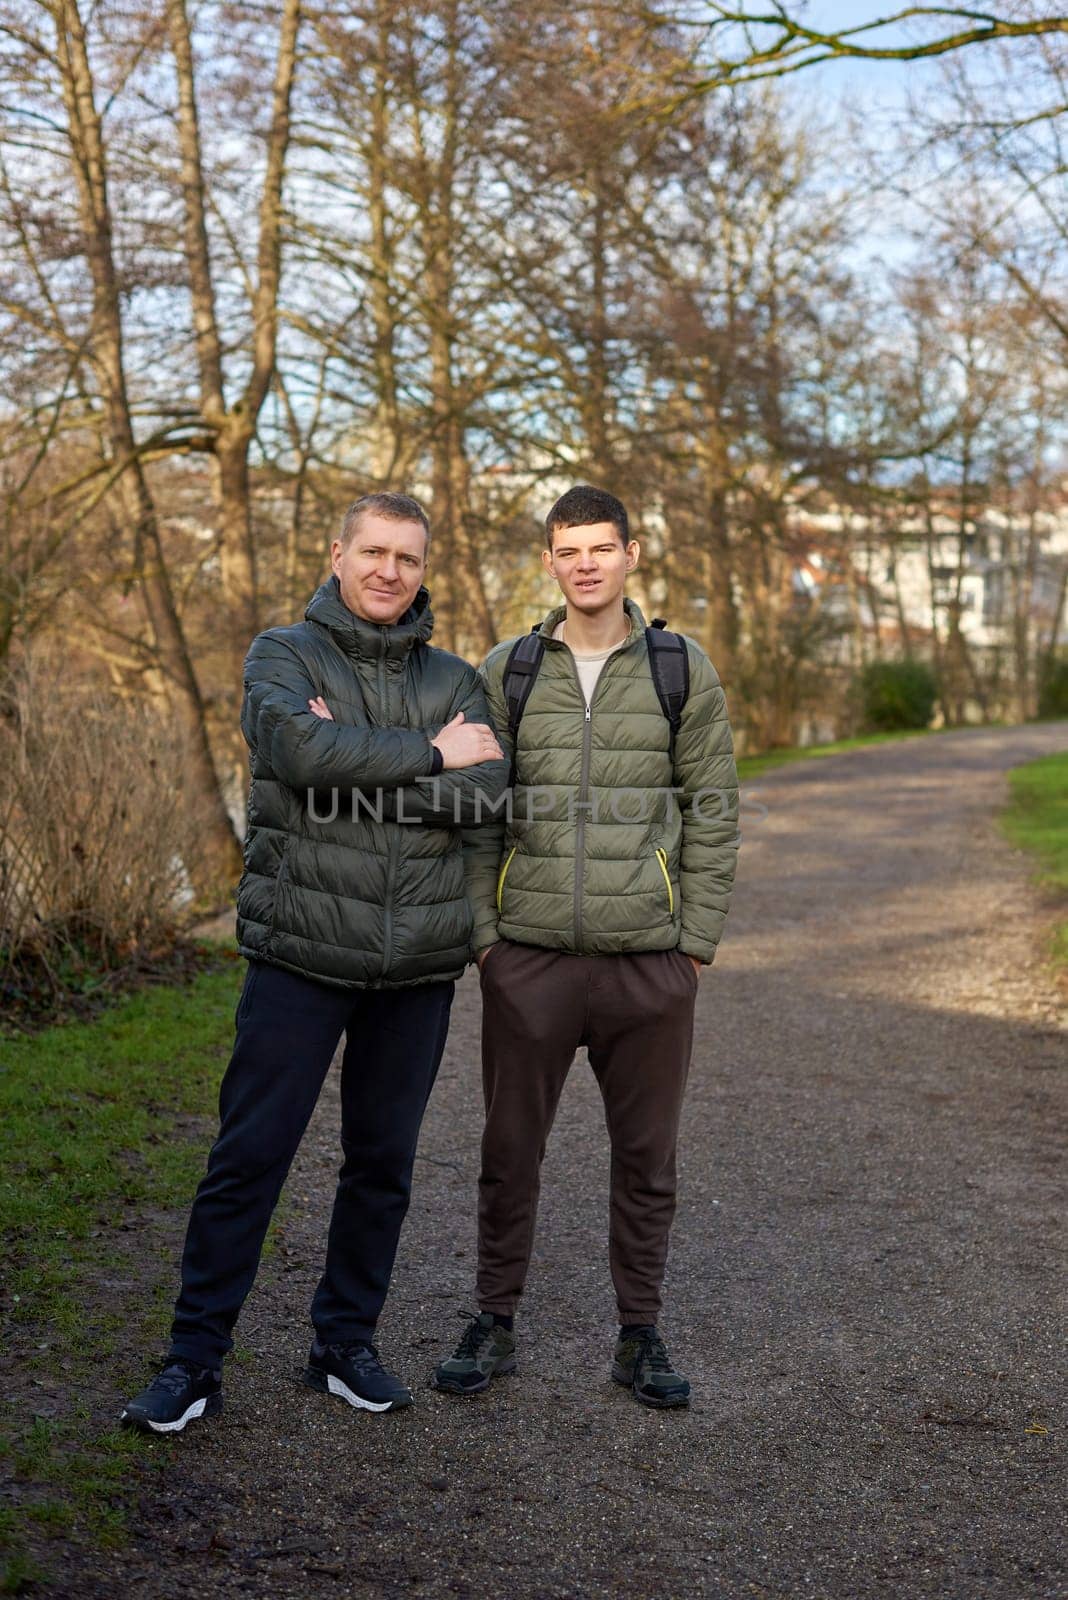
358, 899
600, 855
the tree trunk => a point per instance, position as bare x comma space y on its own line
468, 621
938, 655
722, 613
597, 396
385, 427
230, 488
234, 425
90, 167
1048, 657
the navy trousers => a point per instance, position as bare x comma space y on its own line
288, 1029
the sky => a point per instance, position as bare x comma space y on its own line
879, 92
887, 82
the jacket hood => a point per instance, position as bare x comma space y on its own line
371, 640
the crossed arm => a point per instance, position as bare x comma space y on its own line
460, 743
283, 719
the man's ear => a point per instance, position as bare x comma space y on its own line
633, 551
335, 556
547, 562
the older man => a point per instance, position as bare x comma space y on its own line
368, 749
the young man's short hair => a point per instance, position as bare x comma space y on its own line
394, 507
583, 505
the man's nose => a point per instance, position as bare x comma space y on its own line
387, 568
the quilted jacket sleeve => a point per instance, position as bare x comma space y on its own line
307, 752
708, 780
483, 847
466, 795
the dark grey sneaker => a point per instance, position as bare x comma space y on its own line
180, 1392
485, 1351
642, 1363
354, 1373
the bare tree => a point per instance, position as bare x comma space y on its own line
479, 254
231, 421
105, 348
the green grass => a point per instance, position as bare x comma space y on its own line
88, 1139
1036, 820
753, 766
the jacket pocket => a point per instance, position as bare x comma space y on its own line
489, 956
503, 874
279, 884
245, 997
662, 860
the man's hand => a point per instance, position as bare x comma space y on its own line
697, 965
466, 744
321, 709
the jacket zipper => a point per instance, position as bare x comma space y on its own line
394, 834
583, 802
503, 874
661, 856
584, 787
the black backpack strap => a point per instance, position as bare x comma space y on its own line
669, 664
520, 673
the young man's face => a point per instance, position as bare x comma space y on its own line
591, 564
380, 569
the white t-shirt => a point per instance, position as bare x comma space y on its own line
588, 667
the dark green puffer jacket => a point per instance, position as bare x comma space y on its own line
355, 901
600, 856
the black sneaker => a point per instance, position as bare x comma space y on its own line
354, 1373
643, 1364
178, 1393
485, 1351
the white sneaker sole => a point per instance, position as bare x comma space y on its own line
194, 1411
343, 1392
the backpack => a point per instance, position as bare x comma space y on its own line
669, 665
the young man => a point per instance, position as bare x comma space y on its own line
354, 921
595, 907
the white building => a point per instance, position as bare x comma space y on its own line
915, 576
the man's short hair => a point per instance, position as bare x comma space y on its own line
583, 505
394, 507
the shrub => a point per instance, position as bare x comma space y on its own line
897, 694
97, 834
1053, 690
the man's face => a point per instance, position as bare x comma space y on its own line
590, 564
381, 567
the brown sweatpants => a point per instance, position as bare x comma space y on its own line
634, 1013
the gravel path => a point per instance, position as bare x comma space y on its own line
863, 1286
